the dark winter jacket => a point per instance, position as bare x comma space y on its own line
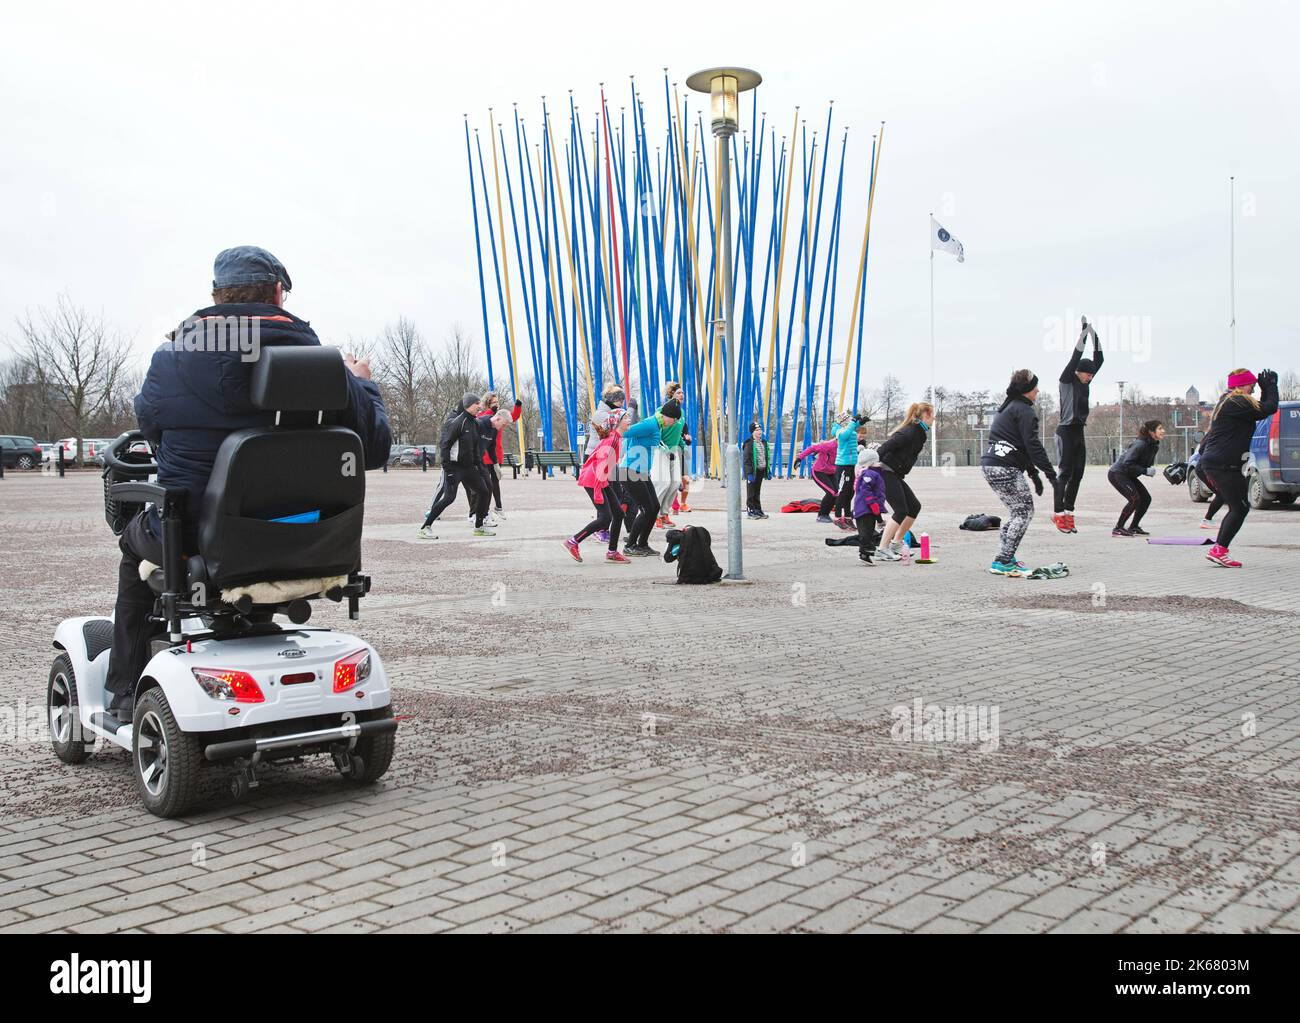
750, 464
1074, 393
903, 447
1137, 458
192, 399
460, 443
1228, 442
1013, 439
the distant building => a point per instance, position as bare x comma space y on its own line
1193, 396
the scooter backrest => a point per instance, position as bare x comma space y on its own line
312, 474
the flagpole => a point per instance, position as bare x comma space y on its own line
934, 398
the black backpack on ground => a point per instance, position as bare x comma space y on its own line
692, 549
979, 523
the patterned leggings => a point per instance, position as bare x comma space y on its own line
1012, 488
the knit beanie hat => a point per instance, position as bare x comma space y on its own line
868, 457
671, 409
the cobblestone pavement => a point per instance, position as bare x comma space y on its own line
588, 747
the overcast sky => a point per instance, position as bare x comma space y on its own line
1080, 153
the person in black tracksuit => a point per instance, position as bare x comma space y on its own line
1071, 445
898, 454
1138, 460
756, 461
1227, 447
1014, 450
461, 455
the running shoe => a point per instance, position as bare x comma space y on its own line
659, 522
683, 509
426, 533
1138, 531
603, 536
762, 515
649, 552
1121, 531
615, 558
845, 524
1062, 522
571, 545
1207, 523
1219, 555
825, 520
668, 523
485, 531
499, 514
752, 514
1011, 569
1070, 518
865, 559
886, 554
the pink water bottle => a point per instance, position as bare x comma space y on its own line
925, 546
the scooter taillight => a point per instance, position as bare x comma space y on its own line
228, 684
354, 668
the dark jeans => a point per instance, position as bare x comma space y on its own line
829, 482
132, 628
867, 535
1072, 453
900, 497
475, 489
844, 502
609, 515
494, 483
1139, 500
644, 497
1216, 502
1229, 486
754, 490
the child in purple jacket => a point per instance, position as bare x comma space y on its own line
868, 502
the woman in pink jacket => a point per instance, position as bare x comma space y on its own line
824, 474
597, 477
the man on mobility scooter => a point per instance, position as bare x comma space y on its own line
262, 438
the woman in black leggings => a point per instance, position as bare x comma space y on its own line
898, 454
1227, 447
1138, 460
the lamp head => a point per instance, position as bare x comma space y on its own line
724, 85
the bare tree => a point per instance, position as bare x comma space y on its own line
77, 361
404, 371
1288, 386
892, 399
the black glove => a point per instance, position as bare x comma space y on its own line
1267, 378
1038, 484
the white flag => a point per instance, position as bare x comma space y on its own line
940, 239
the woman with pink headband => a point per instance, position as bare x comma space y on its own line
1227, 447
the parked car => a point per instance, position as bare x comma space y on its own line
1273, 467
403, 454
20, 452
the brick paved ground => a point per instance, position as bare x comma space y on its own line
586, 747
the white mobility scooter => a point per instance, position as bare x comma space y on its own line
228, 686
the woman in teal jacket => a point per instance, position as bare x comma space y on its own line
635, 464
846, 462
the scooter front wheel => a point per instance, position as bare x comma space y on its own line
64, 712
166, 760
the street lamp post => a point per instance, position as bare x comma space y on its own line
724, 85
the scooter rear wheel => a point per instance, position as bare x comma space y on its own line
64, 713
166, 761
376, 753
